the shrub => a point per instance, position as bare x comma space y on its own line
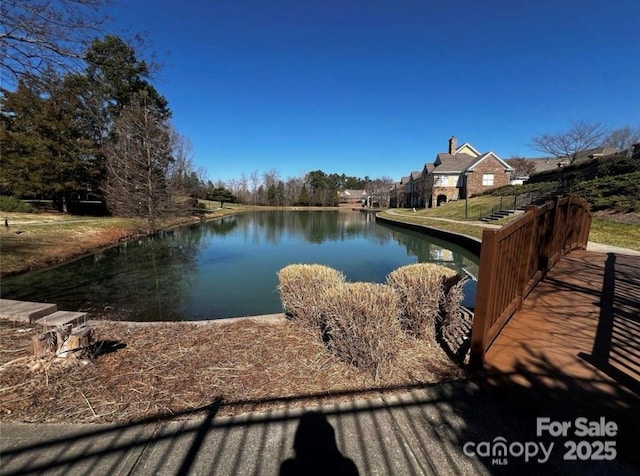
451, 307
12, 204
453, 328
421, 290
620, 193
362, 324
302, 287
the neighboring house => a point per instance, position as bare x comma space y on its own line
546, 164
352, 197
595, 153
397, 194
412, 191
462, 172
458, 173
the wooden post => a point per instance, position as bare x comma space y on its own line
485, 298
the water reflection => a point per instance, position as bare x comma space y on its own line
228, 267
436, 251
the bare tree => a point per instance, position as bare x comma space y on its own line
624, 137
254, 179
521, 167
270, 178
582, 136
379, 189
293, 187
37, 35
181, 166
138, 160
243, 189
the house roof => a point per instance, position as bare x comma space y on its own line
467, 145
353, 194
484, 156
446, 162
597, 152
428, 168
542, 165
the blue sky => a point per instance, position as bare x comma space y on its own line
378, 87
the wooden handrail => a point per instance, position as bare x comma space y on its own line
514, 258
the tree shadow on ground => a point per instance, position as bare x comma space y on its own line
435, 429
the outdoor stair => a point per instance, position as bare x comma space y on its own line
498, 215
456, 341
42, 314
70, 329
61, 319
23, 311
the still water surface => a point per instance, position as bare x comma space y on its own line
227, 268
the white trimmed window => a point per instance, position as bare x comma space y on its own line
487, 179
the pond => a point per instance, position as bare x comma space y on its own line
227, 267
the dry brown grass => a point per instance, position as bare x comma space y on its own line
162, 369
302, 288
362, 324
37, 240
421, 290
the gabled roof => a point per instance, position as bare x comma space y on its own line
484, 156
542, 165
354, 193
597, 152
465, 145
452, 163
415, 175
428, 168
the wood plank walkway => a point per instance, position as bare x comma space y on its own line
573, 348
584, 319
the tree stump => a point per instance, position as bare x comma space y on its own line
45, 344
80, 338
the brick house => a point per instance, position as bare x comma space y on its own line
352, 197
458, 173
397, 194
463, 171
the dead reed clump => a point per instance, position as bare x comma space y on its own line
451, 310
301, 288
421, 293
454, 325
362, 324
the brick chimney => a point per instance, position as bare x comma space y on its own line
453, 145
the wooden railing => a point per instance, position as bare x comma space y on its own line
514, 258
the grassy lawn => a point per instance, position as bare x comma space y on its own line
476, 208
615, 233
603, 230
455, 227
37, 240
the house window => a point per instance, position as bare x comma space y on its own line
440, 181
446, 180
487, 179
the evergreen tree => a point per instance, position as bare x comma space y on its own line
47, 147
303, 199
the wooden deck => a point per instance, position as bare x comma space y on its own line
579, 326
573, 349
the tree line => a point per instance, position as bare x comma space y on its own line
315, 188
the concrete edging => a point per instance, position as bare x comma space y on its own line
467, 242
277, 318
